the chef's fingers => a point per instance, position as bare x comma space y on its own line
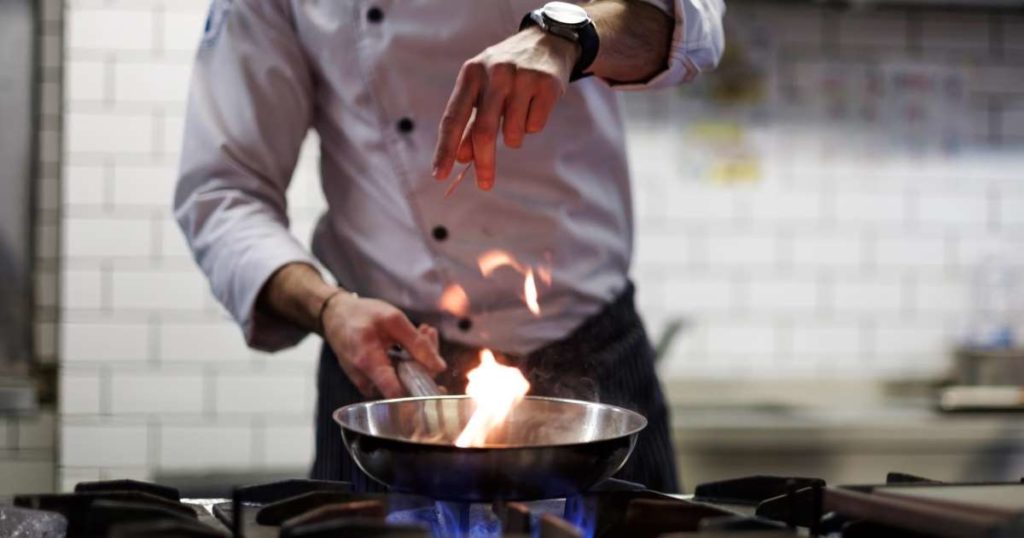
380, 370
488, 119
362, 383
541, 106
456, 117
435, 338
465, 153
401, 330
431, 334
514, 123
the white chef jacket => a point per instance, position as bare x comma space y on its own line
372, 77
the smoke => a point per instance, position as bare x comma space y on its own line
559, 376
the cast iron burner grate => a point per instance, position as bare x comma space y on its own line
905, 506
613, 508
313, 509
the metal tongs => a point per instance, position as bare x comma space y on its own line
419, 383
458, 179
414, 377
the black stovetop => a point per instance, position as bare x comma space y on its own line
750, 507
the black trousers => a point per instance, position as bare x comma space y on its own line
608, 359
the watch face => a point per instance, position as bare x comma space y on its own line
565, 13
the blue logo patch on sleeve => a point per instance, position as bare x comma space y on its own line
215, 21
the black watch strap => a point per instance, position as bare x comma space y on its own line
588, 41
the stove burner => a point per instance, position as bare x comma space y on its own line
104, 515
367, 510
906, 506
95, 512
452, 519
163, 529
641, 514
552, 526
751, 490
276, 491
169, 493
904, 478
278, 512
610, 510
514, 517
355, 527
797, 507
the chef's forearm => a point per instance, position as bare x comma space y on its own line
297, 293
635, 40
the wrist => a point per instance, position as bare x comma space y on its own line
636, 38
297, 292
603, 13
339, 294
565, 49
570, 31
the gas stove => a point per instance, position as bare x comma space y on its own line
750, 507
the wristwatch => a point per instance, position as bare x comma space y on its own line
571, 22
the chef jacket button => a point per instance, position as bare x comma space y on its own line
374, 14
440, 233
465, 324
405, 125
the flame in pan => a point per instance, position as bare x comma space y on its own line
495, 389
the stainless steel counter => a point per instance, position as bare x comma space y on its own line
852, 446
854, 443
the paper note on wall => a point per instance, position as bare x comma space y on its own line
722, 151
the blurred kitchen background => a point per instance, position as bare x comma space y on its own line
824, 226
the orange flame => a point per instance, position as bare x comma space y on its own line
454, 300
491, 260
530, 293
495, 389
544, 273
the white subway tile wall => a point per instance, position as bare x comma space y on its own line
208, 446
81, 391
157, 391
155, 378
104, 443
27, 453
827, 266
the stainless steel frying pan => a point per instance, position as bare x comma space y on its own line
547, 447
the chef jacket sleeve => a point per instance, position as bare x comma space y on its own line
249, 109
697, 42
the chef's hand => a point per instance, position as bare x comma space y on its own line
360, 331
515, 85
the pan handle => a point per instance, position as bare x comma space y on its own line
414, 377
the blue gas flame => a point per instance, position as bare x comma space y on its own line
581, 512
465, 520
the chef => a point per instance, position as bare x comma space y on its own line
403, 95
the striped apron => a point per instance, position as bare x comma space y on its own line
608, 359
